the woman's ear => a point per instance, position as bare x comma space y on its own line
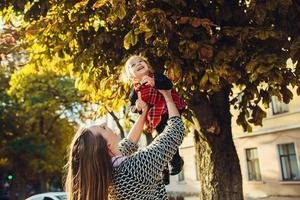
110, 150
108, 146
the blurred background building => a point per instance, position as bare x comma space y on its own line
269, 155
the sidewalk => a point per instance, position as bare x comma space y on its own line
265, 198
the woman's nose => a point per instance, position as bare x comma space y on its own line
103, 125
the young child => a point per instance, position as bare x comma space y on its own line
147, 83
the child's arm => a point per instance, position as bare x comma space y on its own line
162, 82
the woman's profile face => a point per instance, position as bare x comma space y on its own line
111, 138
137, 67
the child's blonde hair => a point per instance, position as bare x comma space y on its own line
127, 76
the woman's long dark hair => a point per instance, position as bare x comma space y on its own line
89, 167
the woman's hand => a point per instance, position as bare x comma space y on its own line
166, 94
148, 81
172, 109
137, 128
140, 104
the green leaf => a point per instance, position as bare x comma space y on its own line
130, 40
257, 115
203, 81
262, 69
144, 27
271, 5
298, 90
120, 11
183, 20
287, 95
260, 14
213, 78
251, 66
99, 4
295, 49
81, 4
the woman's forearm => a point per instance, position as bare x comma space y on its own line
172, 109
137, 128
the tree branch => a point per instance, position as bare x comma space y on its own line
117, 120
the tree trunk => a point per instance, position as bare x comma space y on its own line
19, 188
218, 163
43, 184
22, 189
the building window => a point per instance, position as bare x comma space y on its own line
278, 106
180, 176
288, 162
253, 165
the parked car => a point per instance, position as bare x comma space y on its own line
49, 196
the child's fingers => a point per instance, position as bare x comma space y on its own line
150, 83
148, 80
145, 77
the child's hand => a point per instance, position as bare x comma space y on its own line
140, 104
148, 80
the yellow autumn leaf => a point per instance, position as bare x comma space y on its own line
99, 4
203, 80
120, 11
130, 39
81, 4
127, 40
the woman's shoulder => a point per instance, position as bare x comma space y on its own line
118, 160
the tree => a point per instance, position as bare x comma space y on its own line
206, 47
45, 103
38, 110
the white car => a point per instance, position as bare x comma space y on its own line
49, 196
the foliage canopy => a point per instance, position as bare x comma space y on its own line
203, 46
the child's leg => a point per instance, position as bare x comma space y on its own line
163, 123
176, 164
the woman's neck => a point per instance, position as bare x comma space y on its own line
114, 153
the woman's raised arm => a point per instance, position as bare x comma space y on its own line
150, 161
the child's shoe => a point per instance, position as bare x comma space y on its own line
176, 167
166, 176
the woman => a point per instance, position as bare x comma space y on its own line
100, 167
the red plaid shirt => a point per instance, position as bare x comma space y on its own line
157, 103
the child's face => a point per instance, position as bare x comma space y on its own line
137, 68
